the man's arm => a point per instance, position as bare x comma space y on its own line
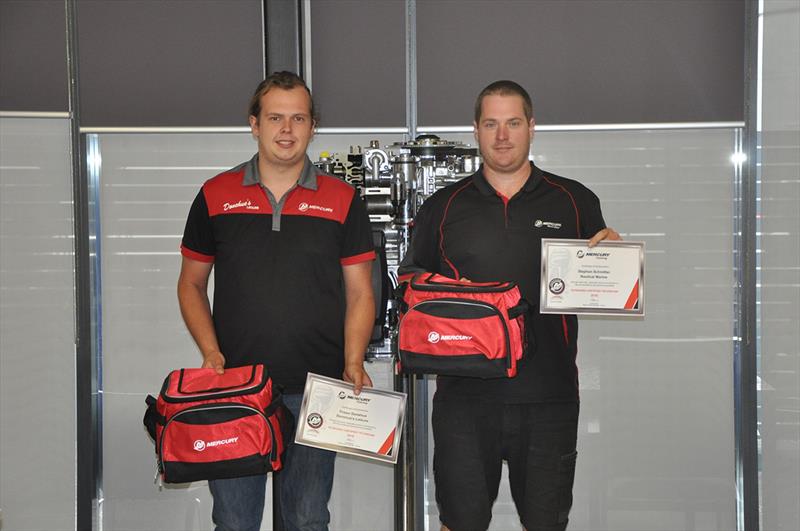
196, 311
358, 322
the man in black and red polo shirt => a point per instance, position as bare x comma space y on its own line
488, 227
291, 249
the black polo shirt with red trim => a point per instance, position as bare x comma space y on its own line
278, 284
468, 230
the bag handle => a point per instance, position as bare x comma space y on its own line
423, 282
459, 284
250, 380
521, 308
152, 417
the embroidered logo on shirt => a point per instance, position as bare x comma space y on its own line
246, 204
302, 207
549, 224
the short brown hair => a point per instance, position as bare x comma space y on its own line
283, 80
504, 87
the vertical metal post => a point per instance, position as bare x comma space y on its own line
410, 476
85, 384
403, 486
411, 68
746, 352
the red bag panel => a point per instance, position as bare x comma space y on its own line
207, 443
424, 333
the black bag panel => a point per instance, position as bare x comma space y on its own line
474, 366
456, 309
215, 414
151, 417
178, 472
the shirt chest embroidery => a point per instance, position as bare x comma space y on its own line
547, 224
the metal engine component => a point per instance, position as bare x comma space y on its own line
394, 181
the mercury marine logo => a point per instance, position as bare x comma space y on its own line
302, 207
435, 337
549, 224
201, 445
314, 420
246, 204
556, 286
598, 254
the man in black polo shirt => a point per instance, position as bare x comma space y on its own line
488, 227
292, 250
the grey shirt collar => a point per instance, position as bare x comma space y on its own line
308, 176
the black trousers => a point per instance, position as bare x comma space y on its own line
472, 438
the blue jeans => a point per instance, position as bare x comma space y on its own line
305, 484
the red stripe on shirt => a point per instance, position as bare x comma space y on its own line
194, 255
574, 204
358, 258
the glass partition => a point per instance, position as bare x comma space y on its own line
656, 437
779, 267
146, 185
37, 323
656, 431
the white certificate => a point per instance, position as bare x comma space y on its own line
334, 418
607, 279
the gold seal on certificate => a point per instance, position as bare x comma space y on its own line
607, 279
334, 418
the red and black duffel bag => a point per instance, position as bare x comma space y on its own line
213, 426
460, 328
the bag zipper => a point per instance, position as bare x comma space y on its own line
237, 387
222, 393
204, 407
480, 304
428, 285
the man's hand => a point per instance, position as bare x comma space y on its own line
356, 375
214, 360
605, 234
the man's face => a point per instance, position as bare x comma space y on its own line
504, 134
284, 128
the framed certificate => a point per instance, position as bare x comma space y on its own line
607, 279
334, 418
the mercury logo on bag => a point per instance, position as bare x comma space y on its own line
201, 445
435, 337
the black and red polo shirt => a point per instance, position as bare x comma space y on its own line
468, 230
278, 285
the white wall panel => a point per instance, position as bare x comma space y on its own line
37, 320
779, 285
